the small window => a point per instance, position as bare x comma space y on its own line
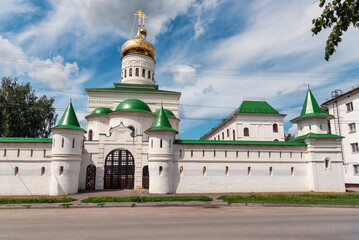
236, 154
310, 127
153, 76
292, 171
259, 154
143, 72
223, 136
62, 143
181, 170
270, 154
249, 171
214, 153
227, 171
275, 128
321, 127
122, 75
349, 107
160, 170
42, 171
246, 132
90, 135
31, 152
125, 73
149, 74
247, 154
326, 163
161, 143
16, 171
276, 140
352, 128
227, 132
191, 153
354, 147
356, 169
73, 143
291, 154
61, 171
280, 154
151, 143
18, 153
130, 72
234, 135
225, 153
203, 153
5, 152
270, 171
204, 171
44, 153
137, 72
301, 155
219, 137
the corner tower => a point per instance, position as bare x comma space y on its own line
138, 57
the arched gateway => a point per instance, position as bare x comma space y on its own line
119, 170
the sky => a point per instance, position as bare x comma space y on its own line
216, 52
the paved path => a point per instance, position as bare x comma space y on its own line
181, 223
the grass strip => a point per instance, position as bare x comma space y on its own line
283, 198
9, 200
146, 199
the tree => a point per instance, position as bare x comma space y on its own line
339, 15
22, 113
288, 137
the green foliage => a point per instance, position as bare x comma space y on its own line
338, 15
146, 199
288, 137
14, 200
22, 113
282, 198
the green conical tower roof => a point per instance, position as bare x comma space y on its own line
161, 122
69, 119
310, 108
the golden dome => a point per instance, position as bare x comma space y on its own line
138, 45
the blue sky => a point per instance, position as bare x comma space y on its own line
215, 52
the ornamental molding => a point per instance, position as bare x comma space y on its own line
160, 155
103, 99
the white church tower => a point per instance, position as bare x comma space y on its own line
66, 154
138, 57
160, 154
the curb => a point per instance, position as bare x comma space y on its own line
163, 204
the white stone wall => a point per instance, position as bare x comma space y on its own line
140, 62
33, 163
260, 128
313, 125
339, 110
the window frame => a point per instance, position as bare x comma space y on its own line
349, 107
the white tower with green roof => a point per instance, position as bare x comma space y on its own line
161, 154
323, 153
66, 154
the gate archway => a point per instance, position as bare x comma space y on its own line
119, 170
90, 177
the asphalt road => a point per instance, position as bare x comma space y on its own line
181, 223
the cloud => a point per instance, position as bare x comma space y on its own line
184, 74
15, 7
293, 130
201, 22
53, 72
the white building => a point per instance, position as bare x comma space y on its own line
132, 142
345, 108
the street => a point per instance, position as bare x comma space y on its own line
181, 223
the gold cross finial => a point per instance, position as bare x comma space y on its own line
139, 14
144, 19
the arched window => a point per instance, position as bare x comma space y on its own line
90, 135
62, 143
270, 171
292, 171
125, 73
153, 76
326, 163
133, 131
44, 154
227, 132
18, 153
204, 171
130, 72
246, 132
149, 74
5, 152
137, 72
16, 172
161, 143
73, 143
61, 171
191, 153
181, 170
226, 171
223, 136
31, 152
42, 171
275, 127
276, 140
143, 72
160, 170
234, 135
249, 171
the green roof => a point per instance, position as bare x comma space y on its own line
133, 105
224, 142
310, 108
69, 119
258, 107
101, 111
26, 140
315, 135
169, 113
161, 122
